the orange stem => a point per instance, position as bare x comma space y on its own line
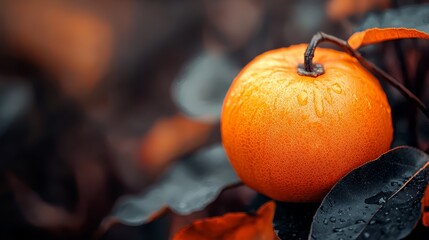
314, 70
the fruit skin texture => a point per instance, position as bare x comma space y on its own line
292, 137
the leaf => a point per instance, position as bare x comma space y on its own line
201, 86
43, 31
426, 208
376, 35
233, 226
293, 220
15, 98
393, 24
399, 18
171, 138
338, 10
379, 200
189, 186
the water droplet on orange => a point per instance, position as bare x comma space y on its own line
328, 96
340, 114
302, 98
318, 104
337, 88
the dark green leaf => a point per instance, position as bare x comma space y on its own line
379, 200
189, 186
293, 220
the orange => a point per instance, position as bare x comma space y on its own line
293, 137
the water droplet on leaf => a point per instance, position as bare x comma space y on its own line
360, 221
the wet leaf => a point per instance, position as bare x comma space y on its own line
233, 226
189, 186
379, 200
293, 220
426, 207
393, 24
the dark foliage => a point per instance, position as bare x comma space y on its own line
379, 200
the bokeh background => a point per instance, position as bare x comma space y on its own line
105, 99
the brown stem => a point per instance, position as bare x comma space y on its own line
310, 69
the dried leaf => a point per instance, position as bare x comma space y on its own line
338, 10
426, 207
376, 35
233, 226
171, 138
74, 46
379, 200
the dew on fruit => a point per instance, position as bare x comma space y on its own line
325, 221
336, 88
337, 229
332, 219
328, 96
366, 235
302, 98
318, 105
340, 114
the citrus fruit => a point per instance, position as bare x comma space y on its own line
292, 137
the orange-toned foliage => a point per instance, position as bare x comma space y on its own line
425, 202
376, 35
74, 46
170, 138
293, 137
233, 226
338, 10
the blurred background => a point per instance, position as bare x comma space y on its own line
102, 99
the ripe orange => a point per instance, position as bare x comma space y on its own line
293, 137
